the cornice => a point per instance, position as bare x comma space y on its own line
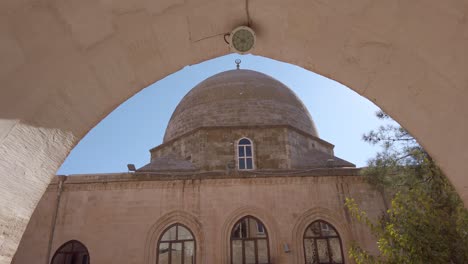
91, 184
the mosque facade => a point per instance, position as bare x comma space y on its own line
241, 177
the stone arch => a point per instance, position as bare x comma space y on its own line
186, 219
381, 50
267, 220
319, 213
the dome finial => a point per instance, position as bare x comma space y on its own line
238, 62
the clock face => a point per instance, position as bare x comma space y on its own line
243, 40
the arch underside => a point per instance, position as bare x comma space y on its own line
66, 64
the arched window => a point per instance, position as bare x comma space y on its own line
72, 252
322, 244
245, 154
176, 246
249, 242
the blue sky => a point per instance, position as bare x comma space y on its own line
126, 135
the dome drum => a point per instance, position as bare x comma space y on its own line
276, 148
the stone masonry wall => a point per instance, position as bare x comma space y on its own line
300, 147
34, 242
213, 148
119, 221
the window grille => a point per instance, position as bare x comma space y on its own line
176, 246
248, 245
322, 244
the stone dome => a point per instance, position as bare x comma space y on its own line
239, 98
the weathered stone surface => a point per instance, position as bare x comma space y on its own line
168, 163
237, 98
20, 194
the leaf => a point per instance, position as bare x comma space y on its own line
426, 221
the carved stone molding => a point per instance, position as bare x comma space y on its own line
319, 213
262, 215
222, 181
181, 217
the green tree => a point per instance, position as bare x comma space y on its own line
426, 221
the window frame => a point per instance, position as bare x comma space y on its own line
255, 239
325, 237
252, 156
177, 241
262, 227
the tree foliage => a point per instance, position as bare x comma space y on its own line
426, 221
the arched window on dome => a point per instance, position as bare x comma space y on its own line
249, 242
245, 157
72, 252
322, 244
176, 246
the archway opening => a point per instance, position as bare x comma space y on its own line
111, 50
138, 124
341, 115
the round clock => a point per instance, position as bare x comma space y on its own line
242, 40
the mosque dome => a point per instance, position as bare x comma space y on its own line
239, 98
